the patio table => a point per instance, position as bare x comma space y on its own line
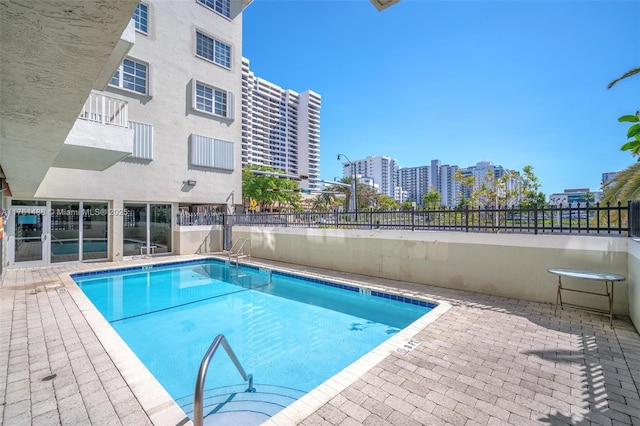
585, 274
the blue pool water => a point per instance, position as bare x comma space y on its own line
287, 331
88, 246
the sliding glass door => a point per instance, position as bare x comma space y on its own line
147, 229
30, 238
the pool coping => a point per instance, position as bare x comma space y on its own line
161, 407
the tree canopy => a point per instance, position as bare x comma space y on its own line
510, 189
269, 189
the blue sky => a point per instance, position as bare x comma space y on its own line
514, 82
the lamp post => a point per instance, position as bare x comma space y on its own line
355, 183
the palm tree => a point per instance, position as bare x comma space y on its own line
629, 73
625, 186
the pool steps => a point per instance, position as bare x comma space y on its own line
231, 405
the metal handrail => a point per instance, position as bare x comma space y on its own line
240, 251
236, 243
198, 417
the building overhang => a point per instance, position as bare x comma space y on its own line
383, 4
53, 53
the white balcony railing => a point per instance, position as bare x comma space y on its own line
106, 110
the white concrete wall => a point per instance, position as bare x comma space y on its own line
633, 278
197, 239
498, 264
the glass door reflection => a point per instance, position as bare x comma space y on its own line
29, 237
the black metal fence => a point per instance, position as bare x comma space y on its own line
585, 218
571, 219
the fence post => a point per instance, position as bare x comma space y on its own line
413, 219
633, 216
466, 219
535, 215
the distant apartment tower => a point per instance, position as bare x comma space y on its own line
380, 169
442, 181
415, 182
481, 171
449, 187
608, 176
400, 195
280, 128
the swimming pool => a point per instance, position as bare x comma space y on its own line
291, 333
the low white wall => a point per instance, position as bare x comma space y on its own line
197, 239
633, 279
511, 265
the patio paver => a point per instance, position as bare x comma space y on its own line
487, 360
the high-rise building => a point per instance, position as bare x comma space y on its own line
449, 187
415, 182
280, 128
381, 169
481, 172
137, 121
608, 176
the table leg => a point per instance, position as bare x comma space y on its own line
558, 295
610, 303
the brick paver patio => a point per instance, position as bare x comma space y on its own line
487, 360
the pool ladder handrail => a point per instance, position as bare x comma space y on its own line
198, 416
240, 253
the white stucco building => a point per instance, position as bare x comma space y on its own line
381, 169
140, 120
414, 183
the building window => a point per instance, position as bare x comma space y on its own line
132, 75
141, 18
213, 50
211, 153
213, 101
142, 140
223, 7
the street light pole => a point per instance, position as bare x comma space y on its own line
355, 184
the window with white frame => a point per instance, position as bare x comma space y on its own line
223, 7
213, 50
212, 100
211, 153
132, 75
141, 18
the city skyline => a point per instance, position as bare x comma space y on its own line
516, 83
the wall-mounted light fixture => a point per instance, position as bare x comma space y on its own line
189, 182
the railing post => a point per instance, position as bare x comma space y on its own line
413, 219
466, 218
102, 112
631, 218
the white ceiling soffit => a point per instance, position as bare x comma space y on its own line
52, 53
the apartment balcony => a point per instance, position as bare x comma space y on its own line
100, 137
